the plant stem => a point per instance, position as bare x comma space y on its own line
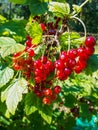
74, 12
81, 23
69, 42
84, 3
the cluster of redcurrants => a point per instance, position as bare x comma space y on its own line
40, 70
23, 60
74, 60
49, 94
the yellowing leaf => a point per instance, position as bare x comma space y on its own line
35, 31
60, 9
18, 1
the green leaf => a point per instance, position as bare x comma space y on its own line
18, 1
70, 100
75, 39
5, 76
46, 113
9, 46
14, 29
84, 110
35, 31
59, 9
13, 94
30, 103
77, 8
2, 18
6, 40
37, 7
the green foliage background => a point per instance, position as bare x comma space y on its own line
30, 113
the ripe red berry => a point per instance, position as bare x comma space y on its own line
59, 64
59, 73
53, 97
72, 53
16, 66
37, 79
43, 27
49, 65
90, 41
63, 56
80, 65
30, 52
81, 51
78, 69
38, 64
43, 59
47, 100
47, 92
71, 63
57, 89
89, 50
67, 71
38, 72
28, 43
17, 54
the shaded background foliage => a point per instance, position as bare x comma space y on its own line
89, 14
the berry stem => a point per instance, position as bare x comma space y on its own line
74, 12
84, 3
69, 42
58, 44
81, 23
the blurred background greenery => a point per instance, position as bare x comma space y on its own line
89, 14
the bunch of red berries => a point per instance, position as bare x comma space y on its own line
74, 60
48, 95
40, 70
23, 61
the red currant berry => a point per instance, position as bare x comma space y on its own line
17, 54
57, 89
37, 79
16, 66
53, 97
28, 43
38, 64
63, 56
78, 69
47, 92
38, 72
67, 71
71, 63
43, 27
59, 64
81, 63
46, 100
72, 53
89, 50
30, 52
90, 41
43, 59
81, 51
49, 65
